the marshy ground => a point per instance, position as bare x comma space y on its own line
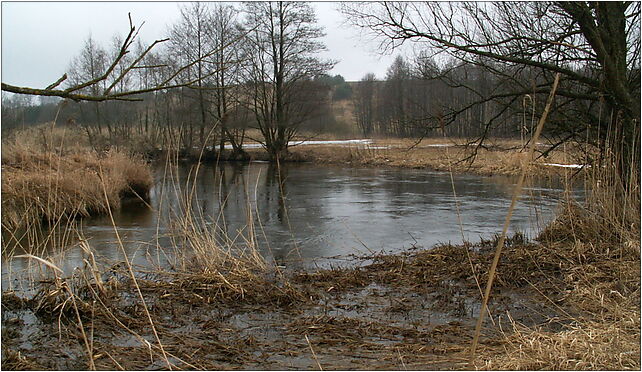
414, 310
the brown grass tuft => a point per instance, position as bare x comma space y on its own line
43, 184
583, 346
14, 361
596, 247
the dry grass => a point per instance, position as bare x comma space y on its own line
221, 265
225, 271
601, 294
585, 268
585, 346
597, 249
43, 183
599, 316
501, 157
14, 361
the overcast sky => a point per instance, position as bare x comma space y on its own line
39, 39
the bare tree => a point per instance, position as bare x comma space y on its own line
396, 95
191, 45
282, 51
224, 27
364, 101
89, 65
594, 46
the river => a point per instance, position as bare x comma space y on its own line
309, 215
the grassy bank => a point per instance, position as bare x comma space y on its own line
501, 157
498, 157
49, 175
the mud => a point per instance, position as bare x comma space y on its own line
414, 310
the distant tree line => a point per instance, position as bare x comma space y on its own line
420, 97
417, 98
481, 70
508, 53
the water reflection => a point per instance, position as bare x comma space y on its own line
302, 212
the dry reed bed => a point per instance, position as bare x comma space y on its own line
43, 185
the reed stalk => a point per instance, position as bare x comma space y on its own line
500, 243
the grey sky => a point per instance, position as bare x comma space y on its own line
39, 39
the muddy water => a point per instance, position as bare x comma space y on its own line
305, 213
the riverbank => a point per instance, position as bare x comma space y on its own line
52, 183
496, 157
500, 157
559, 303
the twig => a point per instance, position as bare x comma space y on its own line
131, 273
42, 261
401, 359
57, 82
115, 361
82, 328
314, 355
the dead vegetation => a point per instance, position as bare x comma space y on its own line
42, 181
225, 308
597, 248
571, 305
14, 361
501, 157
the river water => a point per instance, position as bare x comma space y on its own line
314, 215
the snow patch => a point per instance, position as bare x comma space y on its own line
332, 142
576, 166
439, 145
304, 143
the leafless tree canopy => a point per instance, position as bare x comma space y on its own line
595, 46
282, 52
222, 69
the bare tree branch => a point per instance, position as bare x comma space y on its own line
72, 91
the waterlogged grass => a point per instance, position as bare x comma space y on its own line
554, 307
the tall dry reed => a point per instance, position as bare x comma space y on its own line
596, 245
